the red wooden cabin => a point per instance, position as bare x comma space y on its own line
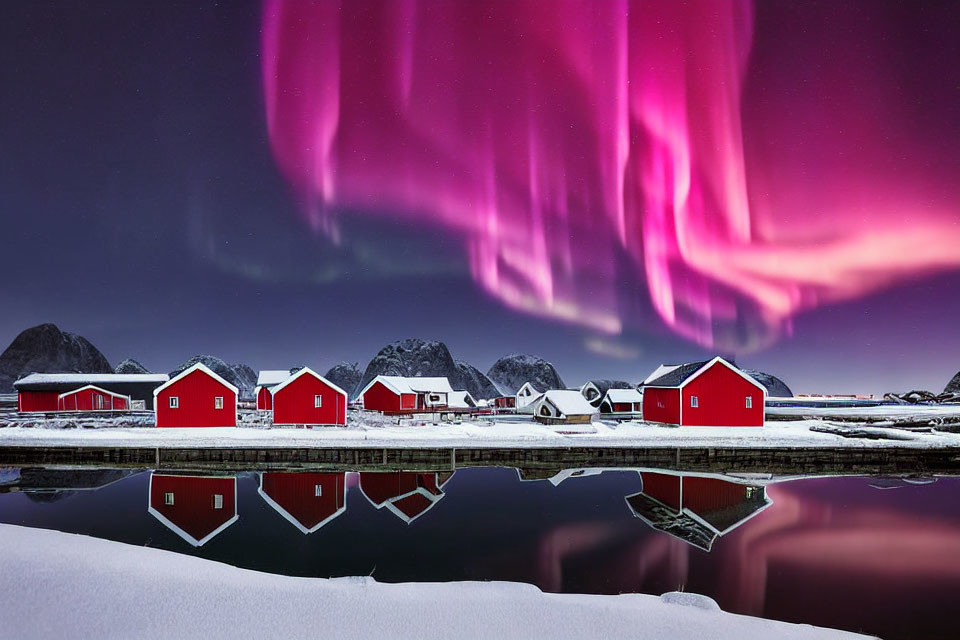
395, 395
197, 397
308, 398
406, 494
91, 398
42, 391
196, 508
713, 393
306, 500
266, 381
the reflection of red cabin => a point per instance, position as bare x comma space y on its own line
696, 509
406, 494
197, 397
307, 500
91, 398
308, 398
712, 393
196, 508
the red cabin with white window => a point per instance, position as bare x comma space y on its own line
306, 500
713, 393
396, 395
196, 508
308, 398
197, 397
92, 398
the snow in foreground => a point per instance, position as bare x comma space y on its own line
68, 585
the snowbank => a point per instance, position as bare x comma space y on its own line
65, 585
378, 432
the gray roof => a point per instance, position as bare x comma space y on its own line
677, 377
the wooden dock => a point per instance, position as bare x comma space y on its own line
531, 462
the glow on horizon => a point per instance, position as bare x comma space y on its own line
562, 141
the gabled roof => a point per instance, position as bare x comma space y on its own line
662, 370
270, 377
684, 373
461, 400
303, 372
533, 388
90, 378
95, 388
197, 367
569, 402
411, 384
314, 524
623, 395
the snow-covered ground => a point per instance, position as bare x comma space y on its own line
478, 434
884, 412
66, 585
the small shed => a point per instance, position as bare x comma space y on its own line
92, 398
42, 391
308, 398
563, 406
196, 397
266, 380
622, 403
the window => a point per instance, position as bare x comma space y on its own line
318, 490
749, 402
217, 501
168, 498
218, 402
99, 402
694, 401
174, 402
317, 403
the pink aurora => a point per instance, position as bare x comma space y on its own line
564, 140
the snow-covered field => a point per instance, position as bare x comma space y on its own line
66, 585
480, 434
885, 412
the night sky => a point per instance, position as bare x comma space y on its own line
296, 183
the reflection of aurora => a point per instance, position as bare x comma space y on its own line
557, 138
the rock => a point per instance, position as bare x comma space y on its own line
510, 372
345, 375
239, 375
46, 349
954, 385
130, 366
775, 386
415, 357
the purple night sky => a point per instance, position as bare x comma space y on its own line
608, 185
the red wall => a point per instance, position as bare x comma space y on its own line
196, 392
293, 404
662, 487
702, 495
264, 399
37, 400
86, 401
408, 400
721, 394
381, 487
192, 508
661, 405
380, 398
296, 494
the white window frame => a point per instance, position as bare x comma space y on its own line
218, 402
749, 402
218, 501
317, 402
694, 402
168, 499
318, 491
174, 402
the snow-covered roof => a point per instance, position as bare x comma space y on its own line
90, 378
660, 371
197, 367
461, 400
569, 402
680, 375
410, 384
95, 388
307, 371
624, 395
270, 377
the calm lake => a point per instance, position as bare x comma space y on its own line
876, 555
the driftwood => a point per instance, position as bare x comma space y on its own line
922, 397
869, 433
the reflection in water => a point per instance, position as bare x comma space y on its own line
196, 508
307, 500
821, 551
